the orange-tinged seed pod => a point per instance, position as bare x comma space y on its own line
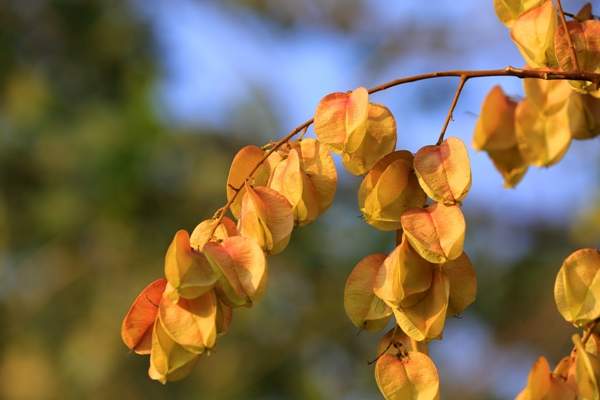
242, 266
187, 270
444, 171
168, 360
244, 162
267, 218
136, 329
437, 232
191, 322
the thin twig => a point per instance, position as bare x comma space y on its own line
521, 73
563, 21
461, 84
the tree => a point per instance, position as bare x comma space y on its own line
427, 277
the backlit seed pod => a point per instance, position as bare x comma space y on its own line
168, 360
191, 323
495, 128
584, 36
413, 376
244, 162
544, 385
510, 164
444, 171
389, 189
186, 270
136, 329
547, 96
242, 267
404, 277
543, 139
437, 232
587, 372
508, 11
290, 180
365, 310
577, 287
200, 234
533, 33
316, 162
266, 217
364, 148
584, 116
339, 115
463, 283
425, 319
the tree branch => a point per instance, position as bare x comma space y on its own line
521, 73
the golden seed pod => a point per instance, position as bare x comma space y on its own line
412, 376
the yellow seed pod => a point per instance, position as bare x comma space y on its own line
587, 372
495, 128
316, 162
200, 234
463, 283
403, 278
365, 310
290, 181
364, 148
444, 171
266, 217
544, 385
413, 376
533, 33
191, 323
244, 162
508, 11
584, 116
547, 96
437, 232
339, 115
542, 139
242, 268
389, 189
510, 164
577, 287
187, 271
425, 319
168, 360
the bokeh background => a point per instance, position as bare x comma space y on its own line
118, 120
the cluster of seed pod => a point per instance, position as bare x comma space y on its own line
538, 130
427, 277
222, 264
577, 297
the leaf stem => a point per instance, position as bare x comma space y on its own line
461, 85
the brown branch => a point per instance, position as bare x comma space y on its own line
522, 73
461, 84
563, 21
